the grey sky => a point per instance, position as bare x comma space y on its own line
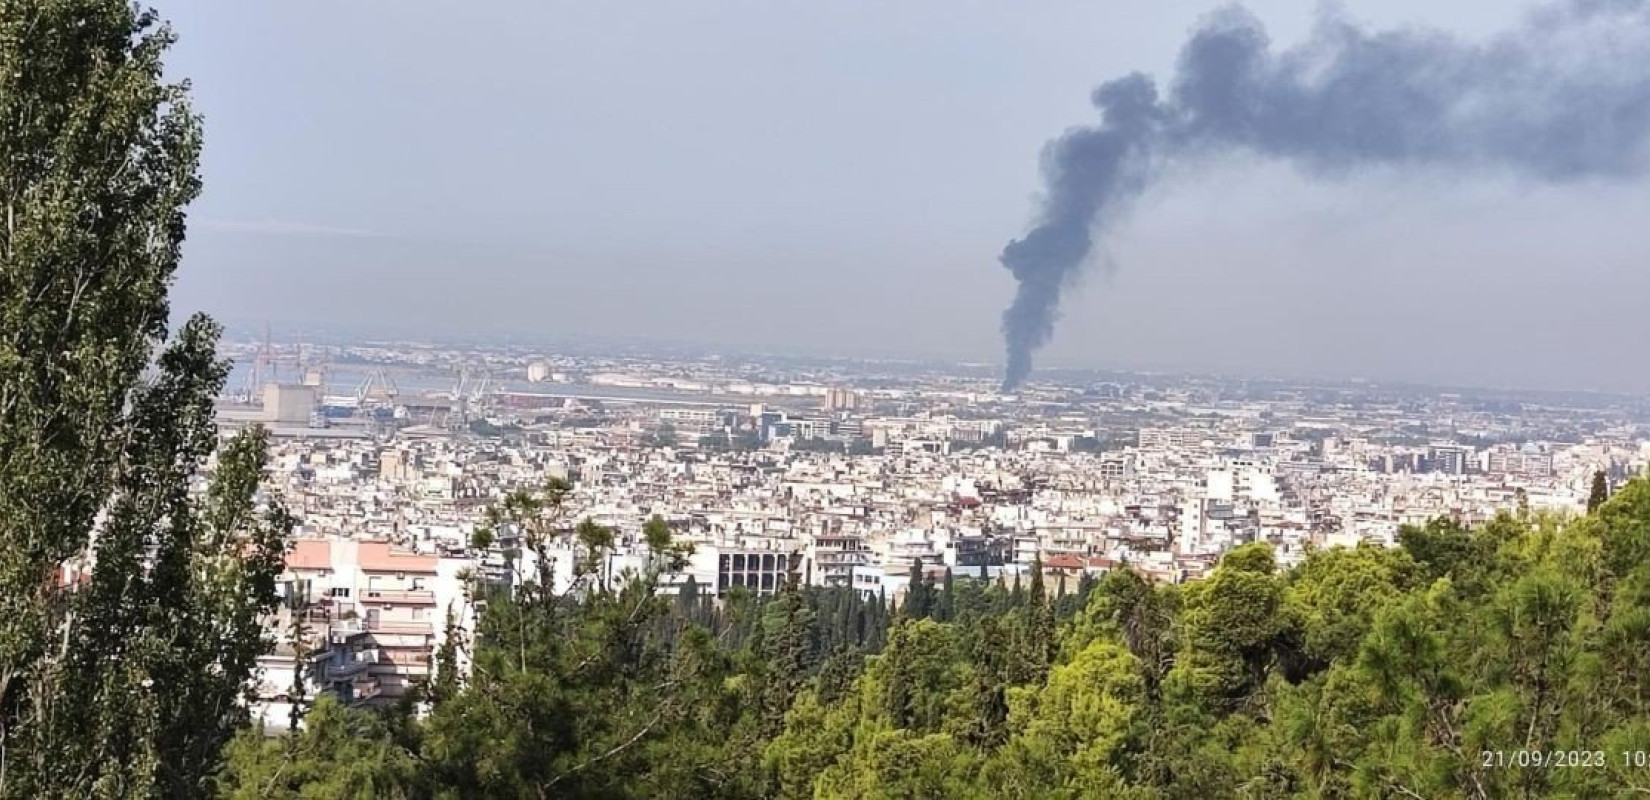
842, 175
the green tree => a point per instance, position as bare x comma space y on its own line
1231, 626
340, 753
1359, 672
120, 676
919, 592
989, 680
945, 604
1035, 634
1125, 606
901, 763
1600, 491
917, 675
1076, 729
817, 733
1333, 595
789, 653
445, 677
574, 691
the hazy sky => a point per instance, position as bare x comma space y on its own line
840, 176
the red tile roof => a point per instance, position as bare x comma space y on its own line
1064, 561
378, 557
310, 554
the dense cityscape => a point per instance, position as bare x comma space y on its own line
851, 474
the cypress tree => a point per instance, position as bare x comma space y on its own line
687, 597
919, 593
988, 686
844, 620
945, 605
1039, 644
445, 679
788, 650
1600, 491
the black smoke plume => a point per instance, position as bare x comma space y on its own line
1564, 97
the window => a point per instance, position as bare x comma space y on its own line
338, 591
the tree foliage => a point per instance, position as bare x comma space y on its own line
131, 597
1362, 672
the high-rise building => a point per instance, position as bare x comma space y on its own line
1529, 461
842, 400
1448, 459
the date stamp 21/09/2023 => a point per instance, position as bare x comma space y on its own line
1564, 759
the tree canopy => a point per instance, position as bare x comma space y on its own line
131, 605
1361, 672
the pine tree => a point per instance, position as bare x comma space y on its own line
124, 676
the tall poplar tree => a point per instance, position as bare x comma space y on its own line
130, 605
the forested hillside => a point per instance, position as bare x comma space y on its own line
1418, 671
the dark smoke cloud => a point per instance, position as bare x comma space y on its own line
1564, 98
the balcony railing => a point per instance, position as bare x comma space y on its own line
341, 631
366, 688
336, 672
406, 667
413, 597
400, 626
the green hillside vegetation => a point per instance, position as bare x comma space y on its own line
1367, 672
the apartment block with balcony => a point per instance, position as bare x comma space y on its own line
398, 609
834, 557
371, 617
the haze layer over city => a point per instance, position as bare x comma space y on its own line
839, 179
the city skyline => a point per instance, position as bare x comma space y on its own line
1056, 371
